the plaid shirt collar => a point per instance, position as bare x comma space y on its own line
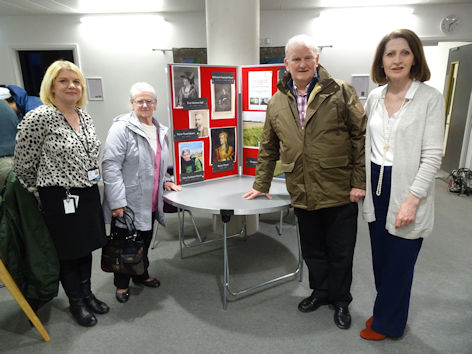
302, 100
301, 103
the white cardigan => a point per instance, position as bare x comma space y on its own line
416, 158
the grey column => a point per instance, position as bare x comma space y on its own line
232, 29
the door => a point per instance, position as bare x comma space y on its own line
34, 64
457, 92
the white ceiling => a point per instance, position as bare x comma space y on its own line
45, 7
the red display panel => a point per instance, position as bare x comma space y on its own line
219, 122
254, 110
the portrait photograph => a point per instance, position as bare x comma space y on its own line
223, 144
186, 84
199, 119
222, 100
191, 157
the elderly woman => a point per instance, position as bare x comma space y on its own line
56, 155
135, 174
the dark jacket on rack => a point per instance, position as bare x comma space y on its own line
26, 247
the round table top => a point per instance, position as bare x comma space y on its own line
226, 194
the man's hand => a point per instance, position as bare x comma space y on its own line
171, 186
356, 194
407, 212
252, 193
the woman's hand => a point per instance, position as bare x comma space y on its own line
118, 213
407, 212
171, 186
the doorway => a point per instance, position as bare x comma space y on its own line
34, 63
457, 90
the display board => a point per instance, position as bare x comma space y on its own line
204, 121
258, 84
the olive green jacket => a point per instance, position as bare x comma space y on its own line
323, 161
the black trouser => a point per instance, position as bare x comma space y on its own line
73, 273
121, 281
328, 238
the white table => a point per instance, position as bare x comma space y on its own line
224, 197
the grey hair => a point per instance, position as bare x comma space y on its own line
185, 150
139, 87
301, 39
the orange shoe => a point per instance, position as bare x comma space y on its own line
370, 334
368, 323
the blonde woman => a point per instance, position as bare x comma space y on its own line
56, 155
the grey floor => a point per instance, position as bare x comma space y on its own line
185, 315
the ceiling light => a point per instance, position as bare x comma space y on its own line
125, 19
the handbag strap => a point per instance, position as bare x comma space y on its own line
128, 221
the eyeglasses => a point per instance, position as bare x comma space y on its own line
147, 102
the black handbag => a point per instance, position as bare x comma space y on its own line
123, 253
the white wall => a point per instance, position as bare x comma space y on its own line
355, 33
120, 50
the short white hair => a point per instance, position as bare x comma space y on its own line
303, 39
139, 87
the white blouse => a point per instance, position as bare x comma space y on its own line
384, 128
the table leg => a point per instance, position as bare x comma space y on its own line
225, 218
279, 228
180, 215
225, 268
244, 228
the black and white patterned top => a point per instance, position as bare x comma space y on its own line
49, 152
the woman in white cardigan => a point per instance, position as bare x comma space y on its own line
404, 140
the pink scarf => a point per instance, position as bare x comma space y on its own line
157, 172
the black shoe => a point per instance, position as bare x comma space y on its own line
342, 317
154, 283
91, 301
311, 303
81, 313
96, 305
122, 297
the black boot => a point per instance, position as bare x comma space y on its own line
36, 304
81, 313
91, 301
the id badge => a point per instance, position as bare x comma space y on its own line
94, 174
71, 203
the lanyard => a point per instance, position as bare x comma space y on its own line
85, 146
387, 134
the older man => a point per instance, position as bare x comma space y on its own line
315, 124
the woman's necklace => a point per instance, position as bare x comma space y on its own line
387, 134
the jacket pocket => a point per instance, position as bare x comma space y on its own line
334, 178
287, 167
333, 162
